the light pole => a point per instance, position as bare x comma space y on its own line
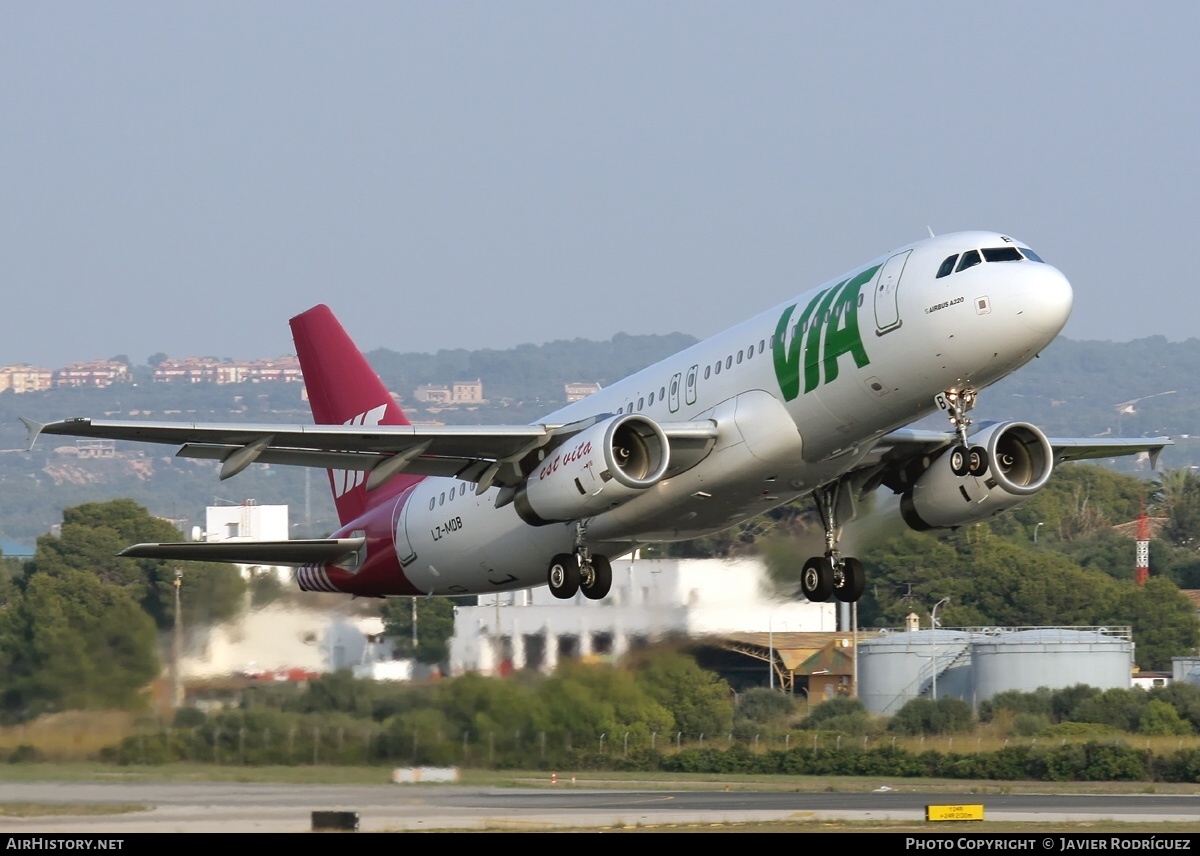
770, 653
177, 646
933, 621
1035, 530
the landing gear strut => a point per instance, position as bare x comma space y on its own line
580, 571
964, 460
831, 574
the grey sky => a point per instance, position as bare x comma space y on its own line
183, 177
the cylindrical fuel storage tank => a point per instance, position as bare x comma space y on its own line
1186, 670
898, 667
1053, 657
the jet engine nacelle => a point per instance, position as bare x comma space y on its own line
1020, 461
597, 469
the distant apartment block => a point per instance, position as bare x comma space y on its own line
284, 369
461, 392
429, 394
97, 373
578, 391
468, 391
25, 378
93, 447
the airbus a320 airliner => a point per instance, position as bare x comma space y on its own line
810, 398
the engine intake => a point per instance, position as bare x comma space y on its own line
597, 469
1020, 461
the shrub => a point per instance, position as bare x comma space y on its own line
925, 716
1030, 724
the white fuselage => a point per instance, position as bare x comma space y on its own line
798, 392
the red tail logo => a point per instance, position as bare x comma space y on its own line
343, 389
347, 480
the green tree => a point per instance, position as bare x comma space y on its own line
762, 704
72, 642
1178, 496
435, 626
1163, 620
1119, 708
596, 698
1162, 719
94, 533
700, 701
926, 716
481, 706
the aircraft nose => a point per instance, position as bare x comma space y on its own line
1046, 300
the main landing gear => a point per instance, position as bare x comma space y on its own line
580, 571
842, 577
964, 460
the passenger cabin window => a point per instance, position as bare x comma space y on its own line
947, 267
662, 393
651, 400
717, 368
969, 259
739, 358
707, 371
1001, 254
641, 403
729, 361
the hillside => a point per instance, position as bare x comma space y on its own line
1077, 388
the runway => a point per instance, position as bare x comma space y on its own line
247, 807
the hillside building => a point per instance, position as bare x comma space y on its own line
577, 391
25, 378
285, 369
460, 392
98, 373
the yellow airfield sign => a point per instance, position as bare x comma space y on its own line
954, 812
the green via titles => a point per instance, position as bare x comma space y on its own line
833, 312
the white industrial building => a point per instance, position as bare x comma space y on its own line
651, 599
289, 641
247, 522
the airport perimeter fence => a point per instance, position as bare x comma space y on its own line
796, 754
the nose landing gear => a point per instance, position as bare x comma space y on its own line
964, 460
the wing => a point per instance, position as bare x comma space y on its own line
484, 455
284, 553
895, 455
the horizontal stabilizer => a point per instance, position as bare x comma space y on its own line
291, 553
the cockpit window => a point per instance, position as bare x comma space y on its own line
1031, 255
969, 259
947, 267
1001, 254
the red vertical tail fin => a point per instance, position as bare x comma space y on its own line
343, 389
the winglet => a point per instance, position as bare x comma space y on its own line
33, 429
1154, 453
